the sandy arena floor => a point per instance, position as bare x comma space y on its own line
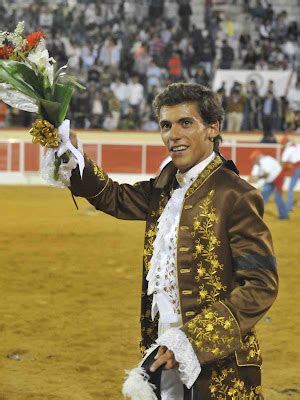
70, 283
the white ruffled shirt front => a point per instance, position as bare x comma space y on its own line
162, 283
162, 276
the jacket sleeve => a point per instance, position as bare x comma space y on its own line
218, 330
122, 201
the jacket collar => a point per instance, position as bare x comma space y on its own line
168, 174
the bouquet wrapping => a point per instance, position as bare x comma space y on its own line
30, 81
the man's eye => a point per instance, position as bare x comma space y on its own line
165, 126
186, 123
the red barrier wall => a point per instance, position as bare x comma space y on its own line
124, 158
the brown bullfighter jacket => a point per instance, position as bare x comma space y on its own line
226, 267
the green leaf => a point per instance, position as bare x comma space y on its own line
21, 78
71, 79
63, 94
50, 110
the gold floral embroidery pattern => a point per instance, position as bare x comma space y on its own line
223, 387
161, 205
212, 166
250, 343
212, 332
148, 248
151, 233
99, 172
205, 246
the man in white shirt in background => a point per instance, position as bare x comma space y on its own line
136, 98
290, 160
267, 172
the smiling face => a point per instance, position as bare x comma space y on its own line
185, 134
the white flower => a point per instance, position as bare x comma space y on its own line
16, 36
40, 58
3, 35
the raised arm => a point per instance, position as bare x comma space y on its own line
122, 201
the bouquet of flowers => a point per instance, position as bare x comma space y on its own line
30, 81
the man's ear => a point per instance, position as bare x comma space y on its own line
214, 129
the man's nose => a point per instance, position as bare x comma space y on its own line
175, 132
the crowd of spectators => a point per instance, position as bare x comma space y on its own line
273, 39
125, 51
246, 110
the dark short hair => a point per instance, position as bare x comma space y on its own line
209, 103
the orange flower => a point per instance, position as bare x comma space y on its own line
33, 39
5, 52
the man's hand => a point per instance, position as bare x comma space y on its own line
73, 138
164, 357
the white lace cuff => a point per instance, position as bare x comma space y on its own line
189, 367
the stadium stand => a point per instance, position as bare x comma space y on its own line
124, 51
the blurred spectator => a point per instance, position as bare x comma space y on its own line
80, 108
136, 99
293, 97
269, 110
235, 108
114, 113
129, 120
120, 90
200, 76
222, 93
149, 122
290, 159
289, 48
267, 172
156, 46
110, 54
252, 107
153, 74
174, 64
227, 55
88, 55
204, 51
184, 12
156, 9
258, 10
3, 114
97, 111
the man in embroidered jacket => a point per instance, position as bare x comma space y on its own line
225, 272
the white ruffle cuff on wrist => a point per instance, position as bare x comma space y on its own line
189, 367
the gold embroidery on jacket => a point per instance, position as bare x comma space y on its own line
224, 387
205, 247
161, 205
148, 248
97, 170
250, 343
148, 327
151, 233
208, 334
212, 166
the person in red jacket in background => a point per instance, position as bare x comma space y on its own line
175, 66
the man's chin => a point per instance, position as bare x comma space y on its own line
182, 168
